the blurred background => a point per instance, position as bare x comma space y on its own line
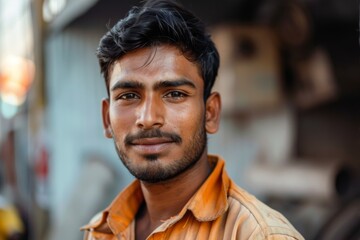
290, 130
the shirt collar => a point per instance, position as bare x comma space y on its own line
120, 213
208, 203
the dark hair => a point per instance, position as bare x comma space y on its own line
160, 22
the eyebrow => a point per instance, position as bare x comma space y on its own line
127, 85
174, 83
161, 84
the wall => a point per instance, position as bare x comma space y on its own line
74, 129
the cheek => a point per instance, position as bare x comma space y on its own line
186, 119
121, 119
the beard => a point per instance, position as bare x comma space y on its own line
154, 170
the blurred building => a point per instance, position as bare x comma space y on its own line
290, 130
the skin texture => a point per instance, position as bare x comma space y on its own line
158, 120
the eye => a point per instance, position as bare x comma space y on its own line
175, 95
128, 96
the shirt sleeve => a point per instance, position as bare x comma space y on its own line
86, 235
290, 236
251, 230
282, 237
93, 235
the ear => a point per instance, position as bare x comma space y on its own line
106, 118
212, 112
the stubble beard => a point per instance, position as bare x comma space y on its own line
154, 171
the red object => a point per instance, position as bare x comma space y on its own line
42, 164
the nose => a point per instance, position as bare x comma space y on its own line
150, 114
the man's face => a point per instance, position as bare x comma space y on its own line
156, 113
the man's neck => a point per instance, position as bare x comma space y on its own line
165, 200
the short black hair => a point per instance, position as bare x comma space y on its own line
155, 23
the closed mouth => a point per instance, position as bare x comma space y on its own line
151, 141
152, 146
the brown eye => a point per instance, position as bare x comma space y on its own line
129, 96
175, 94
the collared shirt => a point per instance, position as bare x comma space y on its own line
218, 210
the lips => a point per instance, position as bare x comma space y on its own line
151, 145
151, 141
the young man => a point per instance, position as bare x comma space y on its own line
159, 66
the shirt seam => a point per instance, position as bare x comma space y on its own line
265, 229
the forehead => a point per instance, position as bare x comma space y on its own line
149, 65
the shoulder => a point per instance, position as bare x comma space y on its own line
97, 225
256, 219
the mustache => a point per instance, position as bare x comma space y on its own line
153, 133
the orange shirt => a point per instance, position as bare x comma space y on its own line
218, 210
